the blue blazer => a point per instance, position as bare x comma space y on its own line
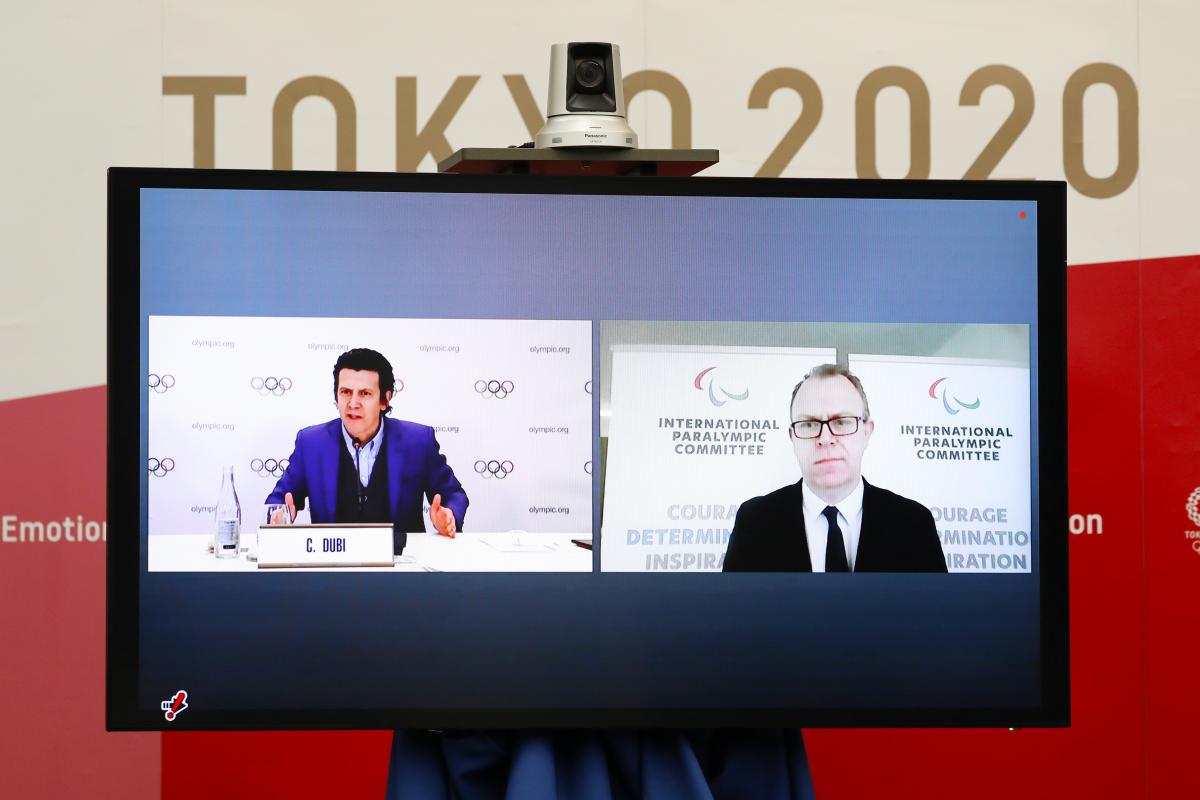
416, 470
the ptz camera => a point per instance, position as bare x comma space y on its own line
587, 104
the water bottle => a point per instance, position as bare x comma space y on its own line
228, 517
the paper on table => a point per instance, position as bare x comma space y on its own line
517, 542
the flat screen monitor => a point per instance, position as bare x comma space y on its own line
509, 451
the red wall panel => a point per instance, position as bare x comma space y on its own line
1171, 403
297, 765
52, 739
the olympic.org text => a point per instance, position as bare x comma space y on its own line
226, 344
438, 348
213, 426
341, 348
446, 428
549, 429
545, 349
549, 510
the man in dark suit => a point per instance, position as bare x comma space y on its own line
363, 467
832, 520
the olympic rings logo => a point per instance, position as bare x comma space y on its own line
159, 467
160, 383
494, 388
494, 469
587, 387
271, 385
269, 467
587, 467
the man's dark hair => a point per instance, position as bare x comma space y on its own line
364, 358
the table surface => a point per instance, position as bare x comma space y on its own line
425, 552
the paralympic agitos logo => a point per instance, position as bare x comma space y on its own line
947, 398
710, 386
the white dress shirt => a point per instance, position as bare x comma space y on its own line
816, 526
365, 456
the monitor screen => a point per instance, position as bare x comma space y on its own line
511, 451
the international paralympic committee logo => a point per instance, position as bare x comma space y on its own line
494, 469
497, 388
160, 383
946, 398
710, 386
159, 467
270, 385
268, 467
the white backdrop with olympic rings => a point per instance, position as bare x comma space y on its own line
510, 401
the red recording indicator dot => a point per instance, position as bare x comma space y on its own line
1021, 214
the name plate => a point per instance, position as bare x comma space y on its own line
368, 545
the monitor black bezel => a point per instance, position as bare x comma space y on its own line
125, 384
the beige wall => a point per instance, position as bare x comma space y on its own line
86, 90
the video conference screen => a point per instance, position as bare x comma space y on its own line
510, 451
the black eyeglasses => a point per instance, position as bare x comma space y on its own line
838, 426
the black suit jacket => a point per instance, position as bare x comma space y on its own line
897, 535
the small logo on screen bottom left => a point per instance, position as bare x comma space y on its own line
174, 705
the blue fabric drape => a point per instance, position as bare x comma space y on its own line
599, 765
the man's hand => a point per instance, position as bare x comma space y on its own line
277, 517
441, 516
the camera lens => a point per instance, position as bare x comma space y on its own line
589, 73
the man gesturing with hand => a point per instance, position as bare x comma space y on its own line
366, 467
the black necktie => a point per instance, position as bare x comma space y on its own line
835, 547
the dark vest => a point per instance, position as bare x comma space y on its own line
374, 505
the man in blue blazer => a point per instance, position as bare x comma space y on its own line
365, 467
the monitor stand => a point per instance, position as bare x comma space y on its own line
654, 764
578, 161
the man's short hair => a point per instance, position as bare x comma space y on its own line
364, 358
833, 371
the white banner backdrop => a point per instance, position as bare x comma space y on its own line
513, 394
694, 432
953, 434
